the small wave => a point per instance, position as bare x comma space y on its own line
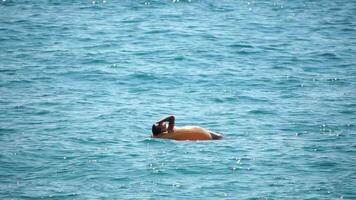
143, 76
238, 46
95, 61
155, 141
261, 112
7, 2
7, 130
252, 99
329, 55
325, 164
131, 21
158, 31
244, 52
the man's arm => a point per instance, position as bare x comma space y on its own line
170, 120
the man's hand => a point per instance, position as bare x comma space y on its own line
170, 120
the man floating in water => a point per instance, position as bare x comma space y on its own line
168, 131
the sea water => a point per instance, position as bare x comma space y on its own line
82, 82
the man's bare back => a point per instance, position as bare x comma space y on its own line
168, 131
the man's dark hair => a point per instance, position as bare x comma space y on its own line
156, 130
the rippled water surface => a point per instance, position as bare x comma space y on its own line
81, 83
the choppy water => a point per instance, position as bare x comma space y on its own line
82, 82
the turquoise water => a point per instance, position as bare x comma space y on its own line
82, 82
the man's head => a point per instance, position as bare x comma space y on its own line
156, 130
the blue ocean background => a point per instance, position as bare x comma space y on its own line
82, 82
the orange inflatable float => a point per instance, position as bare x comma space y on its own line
162, 130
